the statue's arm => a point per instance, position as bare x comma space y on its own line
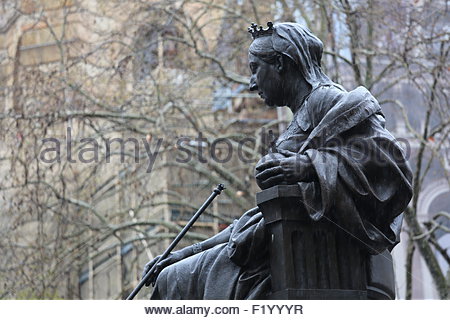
221, 237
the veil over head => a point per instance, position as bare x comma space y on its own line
303, 47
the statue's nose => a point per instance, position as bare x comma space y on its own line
252, 86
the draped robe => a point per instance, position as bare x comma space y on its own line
362, 182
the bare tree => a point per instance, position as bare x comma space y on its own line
148, 103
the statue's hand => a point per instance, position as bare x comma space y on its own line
275, 169
170, 259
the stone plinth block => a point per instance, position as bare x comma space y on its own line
309, 259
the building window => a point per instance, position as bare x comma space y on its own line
156, 48
179, 214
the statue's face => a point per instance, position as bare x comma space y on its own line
266, 78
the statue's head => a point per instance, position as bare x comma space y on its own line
283, 52
267, 67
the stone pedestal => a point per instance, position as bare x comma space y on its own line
309, 259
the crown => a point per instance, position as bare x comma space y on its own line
260, 32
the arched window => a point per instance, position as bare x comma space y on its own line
435, 198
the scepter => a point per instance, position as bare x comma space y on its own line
215, 193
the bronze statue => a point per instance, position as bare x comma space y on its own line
348, 168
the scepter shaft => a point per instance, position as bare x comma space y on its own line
177, 239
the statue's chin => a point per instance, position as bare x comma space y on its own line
270, 104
